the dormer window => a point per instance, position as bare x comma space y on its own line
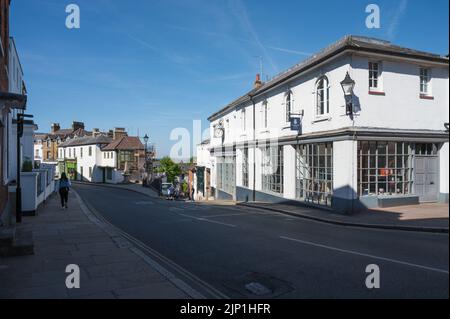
322, 96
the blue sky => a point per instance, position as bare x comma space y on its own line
152, 66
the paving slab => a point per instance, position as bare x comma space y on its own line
109, 268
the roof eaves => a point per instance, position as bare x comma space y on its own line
355, 43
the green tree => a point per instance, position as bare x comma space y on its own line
170, 168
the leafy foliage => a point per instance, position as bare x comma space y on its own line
170, 168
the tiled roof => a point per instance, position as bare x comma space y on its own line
65, 133
62, 132
354, 43
125, 143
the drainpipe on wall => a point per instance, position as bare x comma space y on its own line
258, 84
254, 147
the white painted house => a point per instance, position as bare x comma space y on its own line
389, 147
101, 159
203, 172
80, 158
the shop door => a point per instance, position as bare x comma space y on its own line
426, 178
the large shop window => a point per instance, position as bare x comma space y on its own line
272, 169
314, 173
385, 168
226, 173
245, 167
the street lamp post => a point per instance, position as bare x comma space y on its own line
144, 183
348, 84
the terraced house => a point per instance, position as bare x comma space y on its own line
361, 124
46, 144
101, 158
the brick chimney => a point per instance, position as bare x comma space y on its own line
55, 127
258, 83
119, 132
77, 125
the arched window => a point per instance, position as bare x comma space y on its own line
264, 114
288, 105
322, 96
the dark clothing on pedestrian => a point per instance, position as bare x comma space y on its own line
64, 195
64, 188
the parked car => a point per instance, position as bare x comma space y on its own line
165, 187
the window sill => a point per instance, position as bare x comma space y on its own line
321, 119
426, 97
379, 93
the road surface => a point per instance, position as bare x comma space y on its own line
240, 252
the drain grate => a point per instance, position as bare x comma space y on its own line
257, 285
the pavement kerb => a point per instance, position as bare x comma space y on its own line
318, 219
120, 239
118, 186
352, 224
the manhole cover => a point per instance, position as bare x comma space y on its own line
258, 289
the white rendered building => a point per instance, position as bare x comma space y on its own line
390, 149
101, 159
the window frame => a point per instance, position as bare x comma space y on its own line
326, 97
245, 168
265, 113
314, 173
226, 174
288, 102
378, 78
244, 119
272, 181
385, 168
423, 84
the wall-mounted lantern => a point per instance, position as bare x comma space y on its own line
348, 84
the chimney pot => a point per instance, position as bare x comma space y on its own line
258, 82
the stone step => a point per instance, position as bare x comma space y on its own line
22, 245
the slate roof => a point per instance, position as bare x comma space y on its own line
89, 140
125, 143
65, 133
348, 43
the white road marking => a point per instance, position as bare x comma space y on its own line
207, 220
443, 271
